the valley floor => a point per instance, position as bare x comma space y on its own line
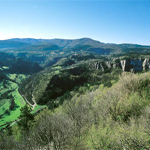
9, 88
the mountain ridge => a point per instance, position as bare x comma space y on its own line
85, 40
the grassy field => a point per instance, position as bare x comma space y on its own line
5, 67
58, 67
5, 113
2, 102
19, 100
17, 77
38, 108
14, 114
4, 106
57, 72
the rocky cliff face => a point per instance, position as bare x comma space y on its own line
96, 65
146, 64
133, 65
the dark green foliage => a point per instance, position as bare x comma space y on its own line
94, 114
71, 43
9, 130
7, 94
130, 55
12, 105
144, 84
25, 118
2, 76
24, 66
5, 44
102, 51
64, 97
137, 50
79, 57
144, 88
65, 62
51, 47
105, 118
117, 61
59, 84
18, 65
54, 81
7, 112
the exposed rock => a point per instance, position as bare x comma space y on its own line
114, 65
96, 65
134, 65
108, 64
102, 68
129, 65
146, 64
123, 64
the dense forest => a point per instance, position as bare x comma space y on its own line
94, 117
74, 95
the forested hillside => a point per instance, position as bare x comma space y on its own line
13, 70
74, 95
98, 117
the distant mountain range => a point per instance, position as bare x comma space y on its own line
66, 43
47, 51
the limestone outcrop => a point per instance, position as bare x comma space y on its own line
134, 65
108, 64
96, 65
146, 64
129, 65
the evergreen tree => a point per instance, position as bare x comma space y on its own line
25, 118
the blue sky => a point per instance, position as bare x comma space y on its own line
107, 21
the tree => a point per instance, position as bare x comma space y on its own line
25, 118
12, 105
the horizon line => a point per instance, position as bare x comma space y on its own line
74, 39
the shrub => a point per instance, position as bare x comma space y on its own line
102, 136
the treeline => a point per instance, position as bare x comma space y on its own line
131, 55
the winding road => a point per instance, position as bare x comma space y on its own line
29, 102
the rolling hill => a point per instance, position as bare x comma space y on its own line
96, 95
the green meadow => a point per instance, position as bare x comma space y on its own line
14, 114
12, 86
7, 88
